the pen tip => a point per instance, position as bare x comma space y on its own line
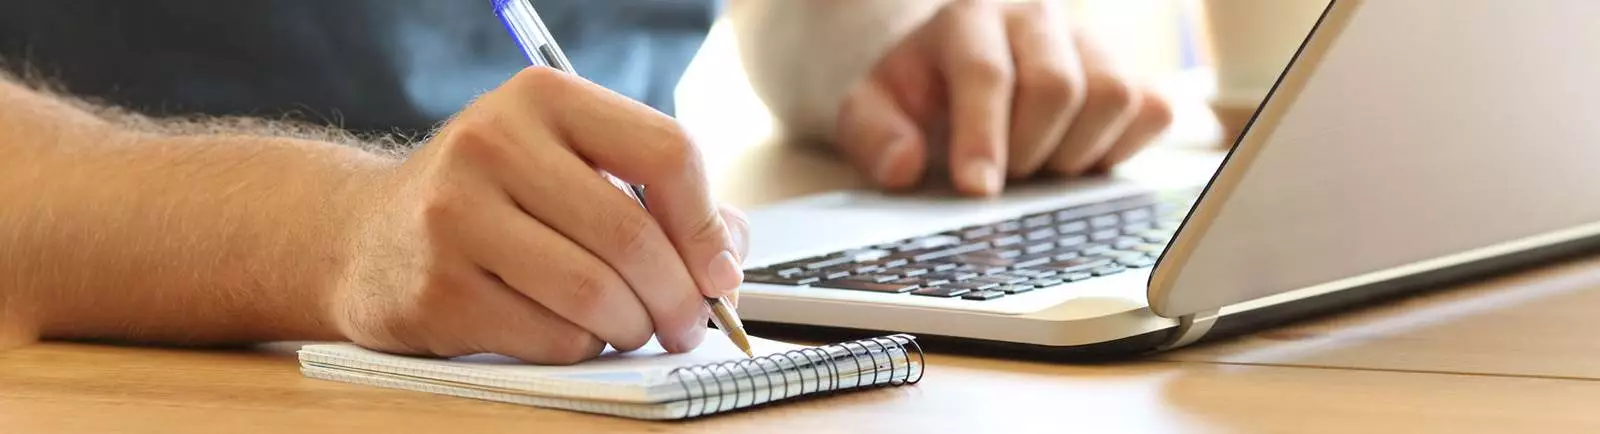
742, 341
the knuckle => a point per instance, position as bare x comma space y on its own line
676, 148
1158, 113
630, 235
476, 140
983, 70
710, 230
539, 79
1053, 86
443, 207
1109, 94
588, 290
576, 347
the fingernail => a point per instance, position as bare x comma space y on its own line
985, 175
888, 160
725, 274
736, 239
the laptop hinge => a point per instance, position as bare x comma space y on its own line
1191, 328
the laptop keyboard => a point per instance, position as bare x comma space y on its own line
992, 261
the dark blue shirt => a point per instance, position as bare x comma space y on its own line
367, 65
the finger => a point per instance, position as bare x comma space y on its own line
1110, 102
879, 138
1155, 115
1050, 84
977, 65
503, 322
642, 146
739, 229
549, 269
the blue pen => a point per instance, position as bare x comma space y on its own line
540, 46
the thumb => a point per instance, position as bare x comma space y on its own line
738, 231
739, 237
877, 136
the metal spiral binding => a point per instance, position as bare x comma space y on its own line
718, 387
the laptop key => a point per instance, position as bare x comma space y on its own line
1076, 277
1000, 240
857, 285
990, 269
1104, 221
1035, 273
1003, 279
1041, 234
1126, 243
1108, 270
978, 232
911, 282
864, 269
872, 278
1073, 227
926, 281
1076, 265
999, 254
1065, 256
829, 262
1040, 248
1038, 221
1008, 226
905, 272
1072, 240
1156, 236
1149, 249
952, 276
1104, 235
1136, 261
1044, 283
984, 295
1033, 260
1137, 215
925, 243
1094, 249
975, 285
958, 250
789, 272
1134, 228
942, 291
776, 280
1016, 289
944, 267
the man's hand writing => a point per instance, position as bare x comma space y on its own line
503, 234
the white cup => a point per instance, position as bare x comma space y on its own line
1251, 41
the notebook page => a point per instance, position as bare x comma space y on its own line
614, 375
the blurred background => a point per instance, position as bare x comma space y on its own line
1216, 58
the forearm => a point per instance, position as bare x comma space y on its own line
802, 57
112, 233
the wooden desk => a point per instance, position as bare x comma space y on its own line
1506, 354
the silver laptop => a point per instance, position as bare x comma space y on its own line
1410, 143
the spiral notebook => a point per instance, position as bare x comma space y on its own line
647, 383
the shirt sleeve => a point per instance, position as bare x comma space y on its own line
803, 56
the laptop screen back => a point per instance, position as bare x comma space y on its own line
1408, 135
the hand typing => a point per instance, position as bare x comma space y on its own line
502, 234
1020, 92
